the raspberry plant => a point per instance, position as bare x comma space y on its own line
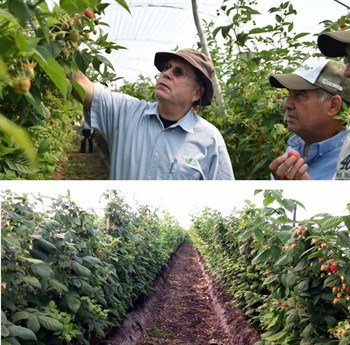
69, 276
292, 285
40, 47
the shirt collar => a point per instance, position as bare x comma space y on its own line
187, 122
321, 147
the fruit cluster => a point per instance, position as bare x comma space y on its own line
68, 33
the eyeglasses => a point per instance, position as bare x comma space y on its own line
177, 71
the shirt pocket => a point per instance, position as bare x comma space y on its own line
183, 170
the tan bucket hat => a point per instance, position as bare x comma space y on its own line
316, 73
333, 44
196, 59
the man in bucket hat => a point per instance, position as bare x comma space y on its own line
166, 139
316, 91
334, 44
337, 44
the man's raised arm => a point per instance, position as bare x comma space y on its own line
84, 91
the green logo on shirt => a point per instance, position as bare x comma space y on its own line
189, 160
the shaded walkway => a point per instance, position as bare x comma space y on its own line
85, 166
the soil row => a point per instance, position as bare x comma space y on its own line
85, 165
186, 308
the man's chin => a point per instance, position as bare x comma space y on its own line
291, 124
291, 128
160, 95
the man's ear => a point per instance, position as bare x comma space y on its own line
335, 105
199, 93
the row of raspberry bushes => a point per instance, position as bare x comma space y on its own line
40, 47
291, 280
68, 275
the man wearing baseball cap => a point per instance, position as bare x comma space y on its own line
317, 89
166, 139
334, 44
337, 44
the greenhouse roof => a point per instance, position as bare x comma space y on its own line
163, 25
152, 26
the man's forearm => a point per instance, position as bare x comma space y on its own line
88, 87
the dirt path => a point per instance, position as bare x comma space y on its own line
84, 166
187, 308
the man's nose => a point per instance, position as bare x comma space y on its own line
169, 71
287, 103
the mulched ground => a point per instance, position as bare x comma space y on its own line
187, 308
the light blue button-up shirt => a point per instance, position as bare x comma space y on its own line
322, 157
142, 149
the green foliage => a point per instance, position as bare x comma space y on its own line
141, 89
40, 47
68, 276
290, 280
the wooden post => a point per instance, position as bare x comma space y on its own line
216, 84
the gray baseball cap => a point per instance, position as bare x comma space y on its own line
316, 73
333, 44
